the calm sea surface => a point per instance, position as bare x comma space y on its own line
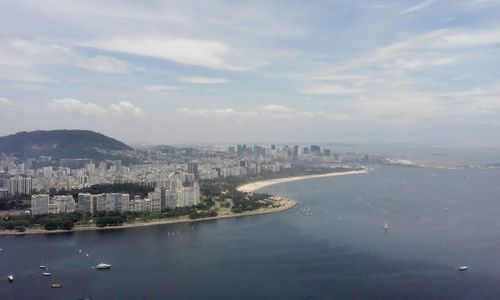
332, 246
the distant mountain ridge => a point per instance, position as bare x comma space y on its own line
60, 144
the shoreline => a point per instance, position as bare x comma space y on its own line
284, 204
253, 186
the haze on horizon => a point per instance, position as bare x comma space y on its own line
422, 71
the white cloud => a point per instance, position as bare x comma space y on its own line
418, 7
272, 113
462, 38
75, 106
159, 88
104, 64
327, 89
5, 102
197, 52
25, 60
204, 80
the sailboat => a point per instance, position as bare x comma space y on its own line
47, 273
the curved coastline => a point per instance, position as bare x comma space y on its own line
284, 204
253, 186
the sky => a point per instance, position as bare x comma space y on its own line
177, 72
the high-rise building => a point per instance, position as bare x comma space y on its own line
39, 204
121, 202
109, 202
90, 169
193, 168
189, 178
170, 199
85, 203
295, 155
242, 149
316, 149
155, 198
100, 201
19, 185
188, 196
63, 204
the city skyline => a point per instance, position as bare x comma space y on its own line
325, 71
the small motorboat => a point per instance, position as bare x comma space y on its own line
42, 267
463, 268
103, 266
56, 285
386, 226
10, 277
46, 273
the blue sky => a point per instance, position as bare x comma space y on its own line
257, 71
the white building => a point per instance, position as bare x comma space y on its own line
109, 202
155, 198
63, 204
85, 203
100, 201
19, 185
39, 204
188, 196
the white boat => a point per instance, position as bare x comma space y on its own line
10, 277
46, 273
386, 226
103, 266
42, 267
463, 268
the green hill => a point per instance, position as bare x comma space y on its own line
61, 144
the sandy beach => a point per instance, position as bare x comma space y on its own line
253, 186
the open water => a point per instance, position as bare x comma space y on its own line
331, 246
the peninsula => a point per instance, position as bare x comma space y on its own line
273, 204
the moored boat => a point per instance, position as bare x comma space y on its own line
103, 266
10, 277
463, 268
56, 285
46, 273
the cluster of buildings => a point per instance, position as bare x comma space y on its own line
16, 185
43, 204
171, 194
173, 172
